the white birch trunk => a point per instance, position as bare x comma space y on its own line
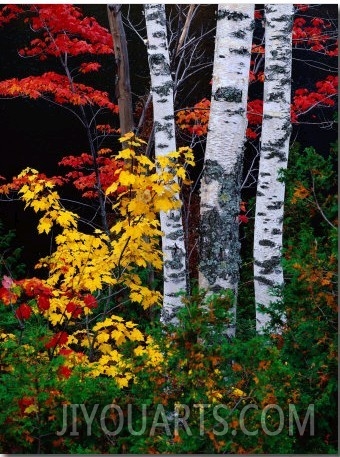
164, 126
276, 130
221, 183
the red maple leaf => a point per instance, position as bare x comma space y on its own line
90, 301
243, 218
58, 339
74, 309
43, 303
64, 371
23, 312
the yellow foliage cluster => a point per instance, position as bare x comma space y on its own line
85, 263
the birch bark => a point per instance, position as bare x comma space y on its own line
221, 182
173, 245
276, 130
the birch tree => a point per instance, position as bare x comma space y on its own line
221, 182
173, 245
276, 129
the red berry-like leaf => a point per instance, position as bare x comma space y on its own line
23, 312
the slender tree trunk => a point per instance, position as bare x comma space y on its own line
276, 130
164, 127
123, 87
185, 29
221, 183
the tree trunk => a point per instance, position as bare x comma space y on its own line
276, 129
164, 127
221, 183
123, 88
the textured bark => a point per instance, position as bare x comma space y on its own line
221, 183
123, 87
164, 127
276, 129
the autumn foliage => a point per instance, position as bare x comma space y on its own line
310, 34
85, 330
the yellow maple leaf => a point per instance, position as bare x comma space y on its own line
126, 137
181, 173
105, 348
103, 337
139, 350
31, 409
155, 356
115, 356
164, 204
126, 154
111, 371
93, 283
158, 188
136, 335
122, 382
66, 219
104, 359
55, 318
45, 225
136, 297
130, 324
40, 205
118, 336
144, 160
112, 189
126, 178
163, 162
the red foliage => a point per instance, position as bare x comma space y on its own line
24, 403
63, 30
90, 66
64, 371
195, 120
8, 13
33, 287
255, 112
90, 301
24, 311
251, 134
312, 33
57, 87
66, 352
258, 14
315, 34
305, 100
83, 175
243, 218
74, 309
43, 303
58, 339
7, 296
